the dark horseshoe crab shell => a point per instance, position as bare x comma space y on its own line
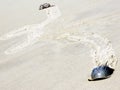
45, 5
101, 72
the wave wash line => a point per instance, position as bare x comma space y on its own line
33, 32
101, 48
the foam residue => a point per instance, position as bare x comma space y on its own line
101, 48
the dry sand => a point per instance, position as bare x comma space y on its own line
46, 66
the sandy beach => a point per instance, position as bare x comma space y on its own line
57, 65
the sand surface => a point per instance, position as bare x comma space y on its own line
46, 65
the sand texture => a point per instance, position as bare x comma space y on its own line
56, 55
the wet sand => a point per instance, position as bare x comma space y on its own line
47, 66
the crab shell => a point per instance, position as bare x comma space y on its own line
45, 5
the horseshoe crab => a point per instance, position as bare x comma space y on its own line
101, 72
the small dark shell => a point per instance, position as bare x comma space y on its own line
45, 5
101, 72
